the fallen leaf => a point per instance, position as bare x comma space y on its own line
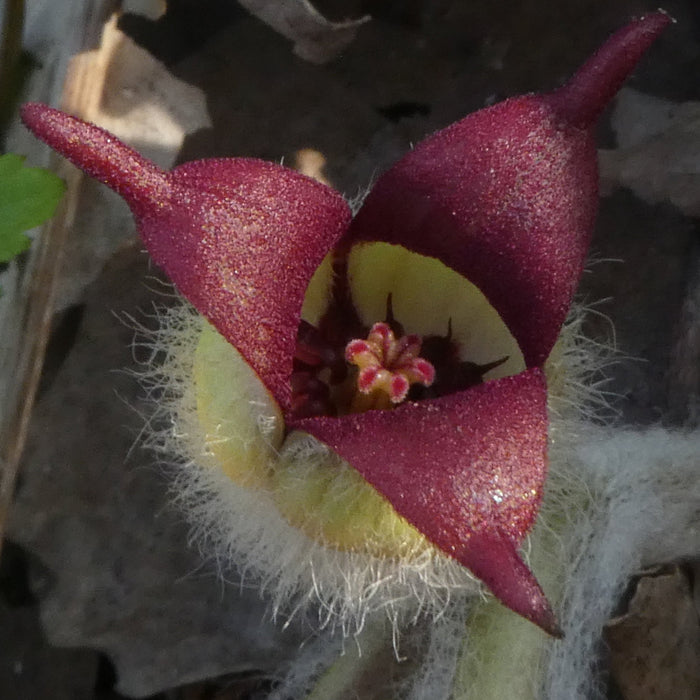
315, 38
655, 645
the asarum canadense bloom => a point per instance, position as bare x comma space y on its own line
448, 425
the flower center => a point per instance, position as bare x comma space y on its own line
388, 366
343, 365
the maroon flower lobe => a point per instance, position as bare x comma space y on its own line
240, 238
508, 196
466, 470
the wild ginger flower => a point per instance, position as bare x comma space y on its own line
455, 443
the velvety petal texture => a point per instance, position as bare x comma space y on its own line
240, 238
508, 196
467, 470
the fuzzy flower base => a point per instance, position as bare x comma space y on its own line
244, 528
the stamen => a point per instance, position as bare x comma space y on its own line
388, 366
389, 317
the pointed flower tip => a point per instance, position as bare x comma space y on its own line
586, 95
545, 619
495, 559
543, 616
31, 114
100, 154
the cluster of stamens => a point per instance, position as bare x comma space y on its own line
388, 365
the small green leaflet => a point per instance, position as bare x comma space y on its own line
28, 197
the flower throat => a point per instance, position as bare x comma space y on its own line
342, 366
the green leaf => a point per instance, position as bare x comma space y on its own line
28, 197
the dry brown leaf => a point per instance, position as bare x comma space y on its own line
315, 38
655, 646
